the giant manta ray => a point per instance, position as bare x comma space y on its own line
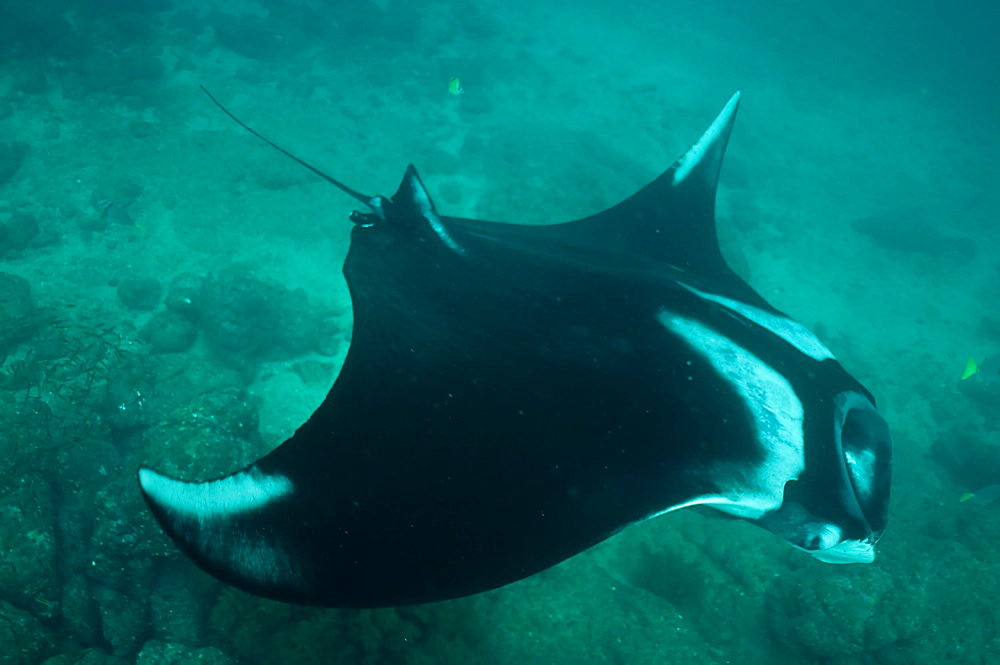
515, 394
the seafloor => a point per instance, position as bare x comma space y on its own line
170, 294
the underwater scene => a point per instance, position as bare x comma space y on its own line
570, 389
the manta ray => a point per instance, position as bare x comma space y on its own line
515, 394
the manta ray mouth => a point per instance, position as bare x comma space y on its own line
837, 510
865, 445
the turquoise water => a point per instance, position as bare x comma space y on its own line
148, 246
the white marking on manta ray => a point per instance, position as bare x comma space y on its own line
251, 556
861, 459
241, 492
427, 211
791, 331
717, 501
442, 232
775, 411
847, 551
861, 467
206, 515
703, 147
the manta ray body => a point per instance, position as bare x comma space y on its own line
515, 394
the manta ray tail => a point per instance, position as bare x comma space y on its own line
369, 201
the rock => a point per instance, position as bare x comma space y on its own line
299, 335
97, 221
359, 20
30, 78
155, 652
178, 603
247, 320
23, 639
124, 620
125, 411
315, 373
89, 657
13, 288
132, 403
333, 332
61, 659
143, 293
80, 612
821, 615
95, 657
125, 542
914, 230
11, 157
18, 232
28, 569
210, 434
184, 294
250, 36
970, 458
169, 332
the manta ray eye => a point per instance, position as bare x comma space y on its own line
378, 213
364, 219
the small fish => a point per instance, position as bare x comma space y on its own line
22, 374
983, 496
988, 369
115, 213
455, 87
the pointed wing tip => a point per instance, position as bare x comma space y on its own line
163, 495
241, 492
728, 113
705, 155
148, 479
411, 184
729, 110
221, 524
